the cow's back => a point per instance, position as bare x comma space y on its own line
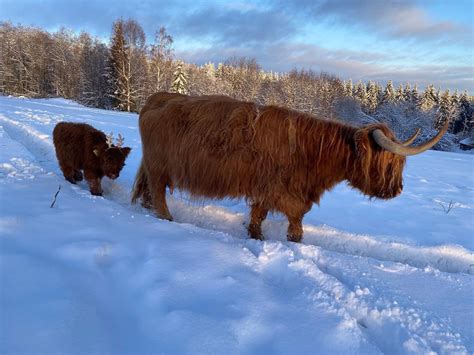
202, 144
159, 100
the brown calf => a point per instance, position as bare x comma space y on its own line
82, 147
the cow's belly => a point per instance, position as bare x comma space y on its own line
206, 176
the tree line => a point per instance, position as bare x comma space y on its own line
121, 75
442, 105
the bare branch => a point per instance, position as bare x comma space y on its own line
54, 198
447, 207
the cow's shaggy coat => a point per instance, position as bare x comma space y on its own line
79, 147
278, 159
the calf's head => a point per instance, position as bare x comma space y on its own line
380, 159
112, 157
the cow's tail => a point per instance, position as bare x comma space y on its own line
140, 186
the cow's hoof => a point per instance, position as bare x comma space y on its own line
294, 238
166, 217
96, 193
255, 232
256, 236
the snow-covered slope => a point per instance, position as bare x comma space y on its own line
95, 274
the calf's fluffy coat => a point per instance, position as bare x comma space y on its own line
80, 146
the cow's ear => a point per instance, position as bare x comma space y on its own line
361, 140
126, 151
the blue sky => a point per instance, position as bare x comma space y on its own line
416, 41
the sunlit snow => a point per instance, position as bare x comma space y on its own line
97, 275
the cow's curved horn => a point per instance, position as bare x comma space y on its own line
400, 149
412, 138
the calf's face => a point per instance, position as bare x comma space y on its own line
113, 160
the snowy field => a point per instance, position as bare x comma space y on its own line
96, 275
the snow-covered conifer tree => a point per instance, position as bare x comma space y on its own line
348, 88
407, 93
360, 93
180, 79
119, 71
415, 96
372, 97
447, 110
389, 93
399, 93
428, 98
465, 119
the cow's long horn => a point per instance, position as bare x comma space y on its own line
412, 138
400, 149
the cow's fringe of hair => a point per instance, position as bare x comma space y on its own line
376, 166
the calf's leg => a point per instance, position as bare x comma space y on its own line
258, 213
94, 183
78, 175
68, 172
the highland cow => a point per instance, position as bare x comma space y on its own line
82, 147
277, 159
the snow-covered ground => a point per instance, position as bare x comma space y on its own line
96, 275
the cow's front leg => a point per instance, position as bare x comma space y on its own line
295, 221
295, 229
258, 214
94, 183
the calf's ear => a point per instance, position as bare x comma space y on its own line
126, 151
99, 149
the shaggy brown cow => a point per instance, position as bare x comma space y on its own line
80, 146
278, 159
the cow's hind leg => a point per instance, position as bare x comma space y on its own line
147, 200
158, 194
257, 214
